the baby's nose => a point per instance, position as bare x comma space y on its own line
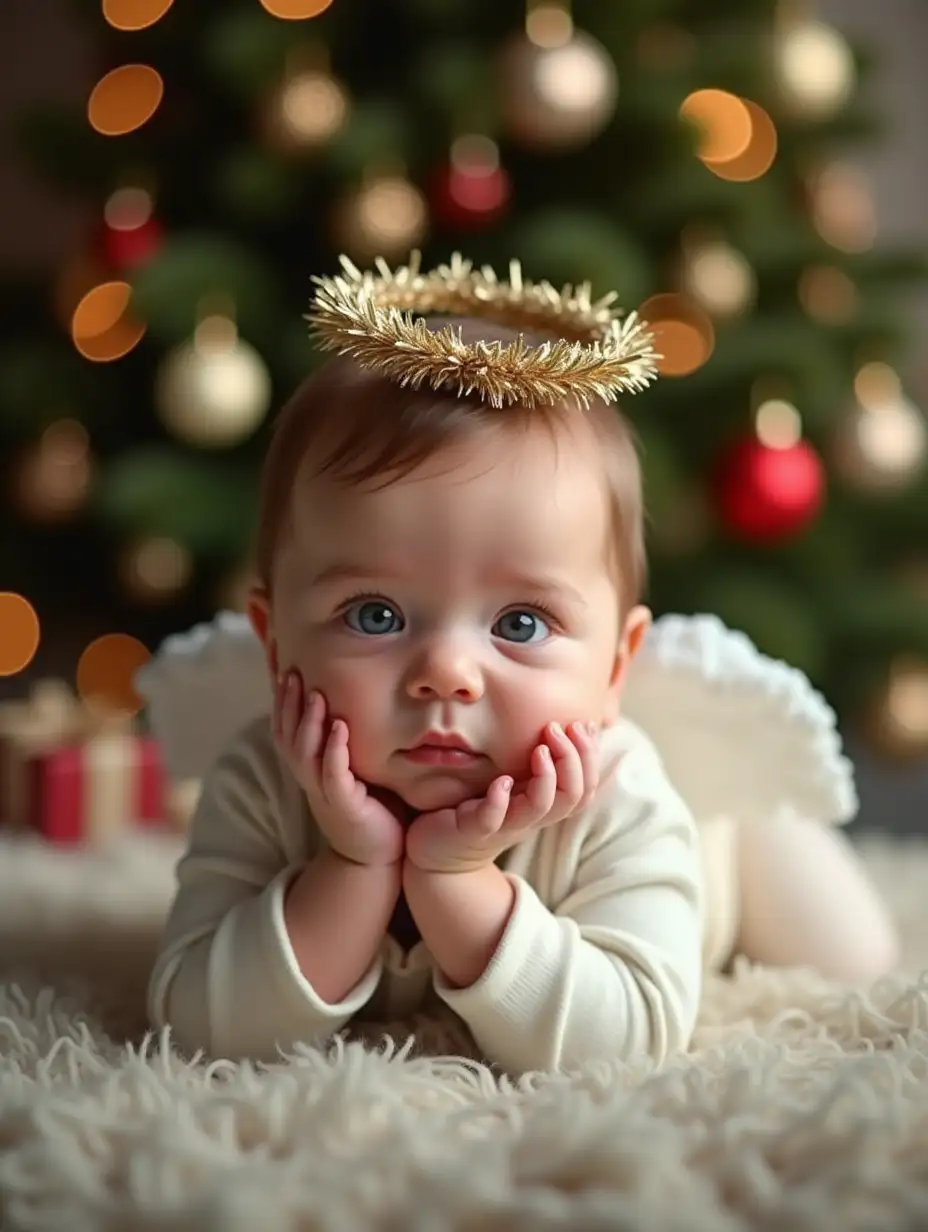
447, 668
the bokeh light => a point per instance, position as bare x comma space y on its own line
295, 10
20, 633
723, 121
828, 294
549, 25
683, 333
134, 14
778, 424
128, 208
758, 155
843, 210
106, 672
53, 478
103, 328
125, 99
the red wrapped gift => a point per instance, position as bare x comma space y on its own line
73, 772
95, 790
51, 716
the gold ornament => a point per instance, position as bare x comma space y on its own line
155, 569
52, 479
372, 319
306, 111
558, 92
898, 724
386, 216
882, 444
718, 277
813, 68
215, 390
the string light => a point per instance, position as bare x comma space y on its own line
548, 25
125, 99
134, 14
106, 672
21, 633
778, 424
295, 10
684, 334
757, 157
102, 327
723, 122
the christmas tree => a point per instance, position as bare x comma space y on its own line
682, 152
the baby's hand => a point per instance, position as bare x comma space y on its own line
565, 774
357, 826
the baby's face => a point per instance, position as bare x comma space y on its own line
471, 597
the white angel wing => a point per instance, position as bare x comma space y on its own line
740, 734
201, 688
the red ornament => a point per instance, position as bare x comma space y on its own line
766, 493
124, 248
469, 196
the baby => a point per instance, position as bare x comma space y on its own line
446, 805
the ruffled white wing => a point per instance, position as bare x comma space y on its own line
201, 688
740, 734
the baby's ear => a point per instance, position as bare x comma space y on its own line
637, 623
258, 607
634, 629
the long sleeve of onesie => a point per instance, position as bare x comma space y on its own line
612, 968
226, 979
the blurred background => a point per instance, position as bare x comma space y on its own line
751, 174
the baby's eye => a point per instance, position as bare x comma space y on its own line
519, 625
373, 618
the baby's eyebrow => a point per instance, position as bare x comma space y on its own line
531, 583
346, 571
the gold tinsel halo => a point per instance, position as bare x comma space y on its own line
371, 318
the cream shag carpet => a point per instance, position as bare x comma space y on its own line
803, 1105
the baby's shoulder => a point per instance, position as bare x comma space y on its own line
249, 784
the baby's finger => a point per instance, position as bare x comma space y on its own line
290, 708
567, 764
335, 774
486, 816
584, 737
542, 786
308, 740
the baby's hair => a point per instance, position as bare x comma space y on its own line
364, 427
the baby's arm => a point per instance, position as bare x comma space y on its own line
616, 970
244, 967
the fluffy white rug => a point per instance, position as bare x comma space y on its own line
803, 1106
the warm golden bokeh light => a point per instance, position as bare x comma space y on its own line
757, 157
843, 209
106, 671
724, 123
683, 333
102, 327
827, 294
295, 10
125, 99
128, 208
53, 478
549, 24
134, 14
20, 633
777, 424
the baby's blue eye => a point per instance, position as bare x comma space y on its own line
373, 618
519, 625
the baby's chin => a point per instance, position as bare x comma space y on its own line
437, 791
